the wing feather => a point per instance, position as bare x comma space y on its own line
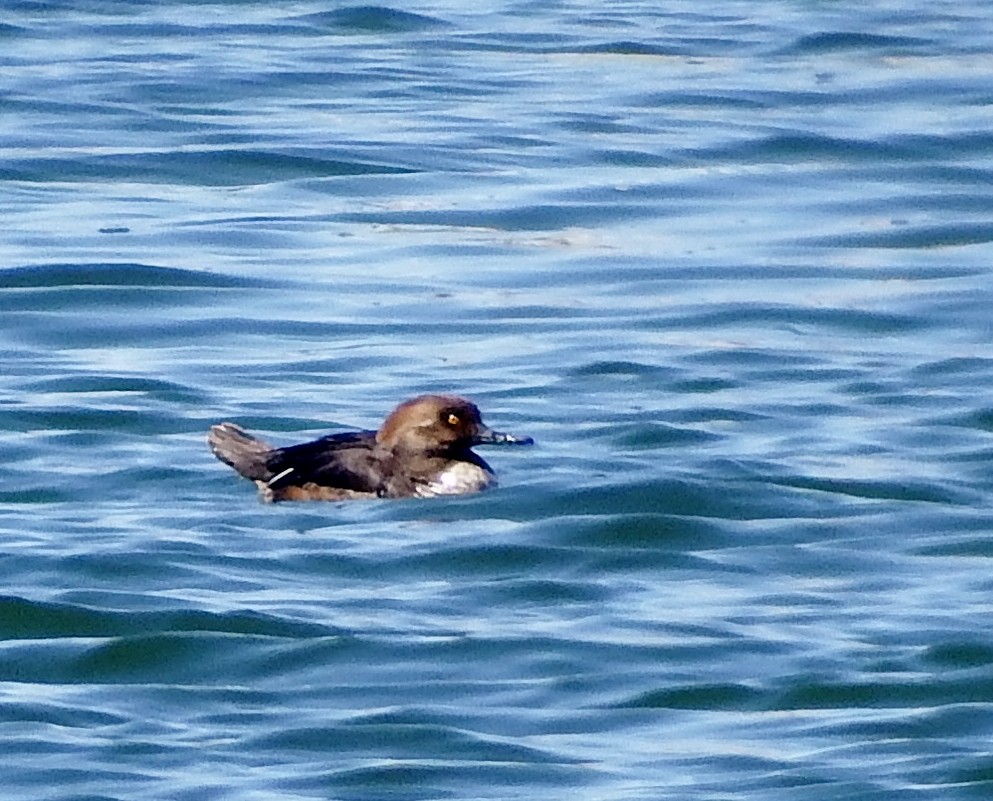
345, 461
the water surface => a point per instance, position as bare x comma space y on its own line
728, 263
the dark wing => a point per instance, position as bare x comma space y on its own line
345, 461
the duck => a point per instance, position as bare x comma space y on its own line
422, 450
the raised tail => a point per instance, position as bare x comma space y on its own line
236, 447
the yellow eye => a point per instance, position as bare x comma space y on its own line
453, 420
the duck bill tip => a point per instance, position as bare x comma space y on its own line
490, 437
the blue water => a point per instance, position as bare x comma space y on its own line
728, 263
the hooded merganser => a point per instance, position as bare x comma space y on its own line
423, 449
